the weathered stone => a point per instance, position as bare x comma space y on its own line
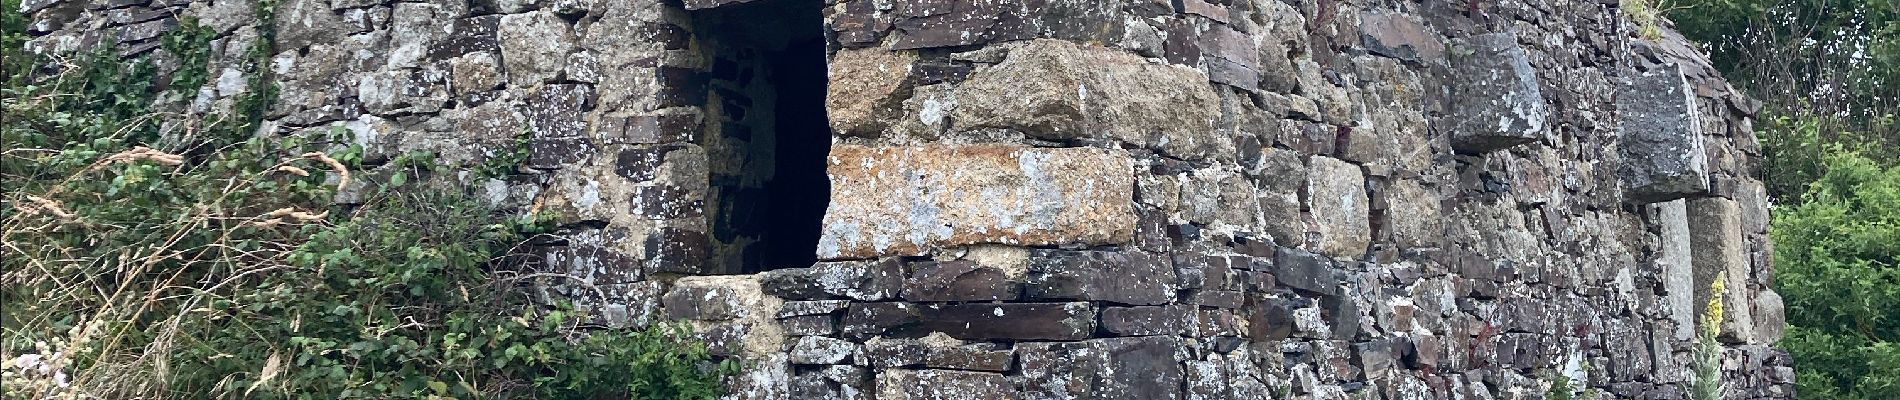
469, 36
811, 307
702, 303
474, 73
1280, 177
1132, 368
1011, 321
863, 320
1146, 320
1269, 318
1395, 35
1058, 90
1413, 215
842, 382
974, 357
821, 350
534, 46
1336, 195
891, 353
866, 88
731, 309
705, 4
959, 280
905, 200
1681, 296
1497, 102
1770, 318
809, 325
1715, 234
856, 280
1231, 57
1663, 158
677, 250
1121, 277
1305, 271
900, 384
303, 23
956, 23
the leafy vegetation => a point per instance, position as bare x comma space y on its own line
147, 253
1837, 255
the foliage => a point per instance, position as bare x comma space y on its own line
146, 253
1795, 151
1834, 64
1837, 254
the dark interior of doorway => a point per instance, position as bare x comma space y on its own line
768, 180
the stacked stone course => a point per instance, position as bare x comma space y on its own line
1079, 199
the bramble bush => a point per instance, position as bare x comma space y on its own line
148, 253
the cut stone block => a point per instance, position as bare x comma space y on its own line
1715, 234
906, 200
1495, 99
1679, 278
856, 280
1663, 157
1771, 321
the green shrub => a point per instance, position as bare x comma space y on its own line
146, 254
1837, 257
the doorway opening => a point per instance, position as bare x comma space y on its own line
767, 132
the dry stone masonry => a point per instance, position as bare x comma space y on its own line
1071, 199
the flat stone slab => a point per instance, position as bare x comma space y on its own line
901, 201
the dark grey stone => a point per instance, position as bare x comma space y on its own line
1147, 320
959, 280
975, 357
1130, 368
821, 350
1495, 98
1127, 277
1305, 271
1663, 158
1011, 321
855, 280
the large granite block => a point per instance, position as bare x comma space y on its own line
907, 200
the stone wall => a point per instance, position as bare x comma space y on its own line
1077, 199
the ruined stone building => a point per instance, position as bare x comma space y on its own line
1076, 199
